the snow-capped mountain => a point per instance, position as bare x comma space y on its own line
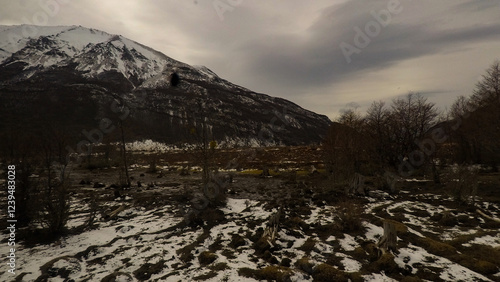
89, 69
92, 51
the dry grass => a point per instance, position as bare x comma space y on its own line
146, 270
237, 241
186, 253
435, 247
269, 273
308, 245
221, 266
206, 258
385, 263
305, 265
325, 272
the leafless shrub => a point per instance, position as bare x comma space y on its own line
53, 202
349, 214
462, 182
273, 224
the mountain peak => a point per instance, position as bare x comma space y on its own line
93, 53
91, 68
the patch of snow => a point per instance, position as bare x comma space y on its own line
373, 232
453, 233
348, 243
351, 265
206, 71
378, 277
415, 232
331, 238
323, 248
455, 272
485, 240
451, 271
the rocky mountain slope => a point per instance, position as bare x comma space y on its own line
73, 78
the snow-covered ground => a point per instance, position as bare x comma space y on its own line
151, 243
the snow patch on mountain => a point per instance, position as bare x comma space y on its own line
15, 38
206, 71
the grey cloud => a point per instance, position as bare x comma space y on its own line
293, 61
475, 6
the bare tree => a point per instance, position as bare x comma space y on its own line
485, 120
397, 130
351, 117
409, 121
461, 108
204, 143
476, 119
376, 126
460, 142
487, 90
346, 149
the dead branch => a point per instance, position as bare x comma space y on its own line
115, 212
480, 212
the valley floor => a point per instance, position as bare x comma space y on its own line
323, 236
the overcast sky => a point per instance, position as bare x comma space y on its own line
322, 55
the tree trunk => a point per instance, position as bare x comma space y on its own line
124, 155
265, 172
435, 172
357, 185
388, 242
